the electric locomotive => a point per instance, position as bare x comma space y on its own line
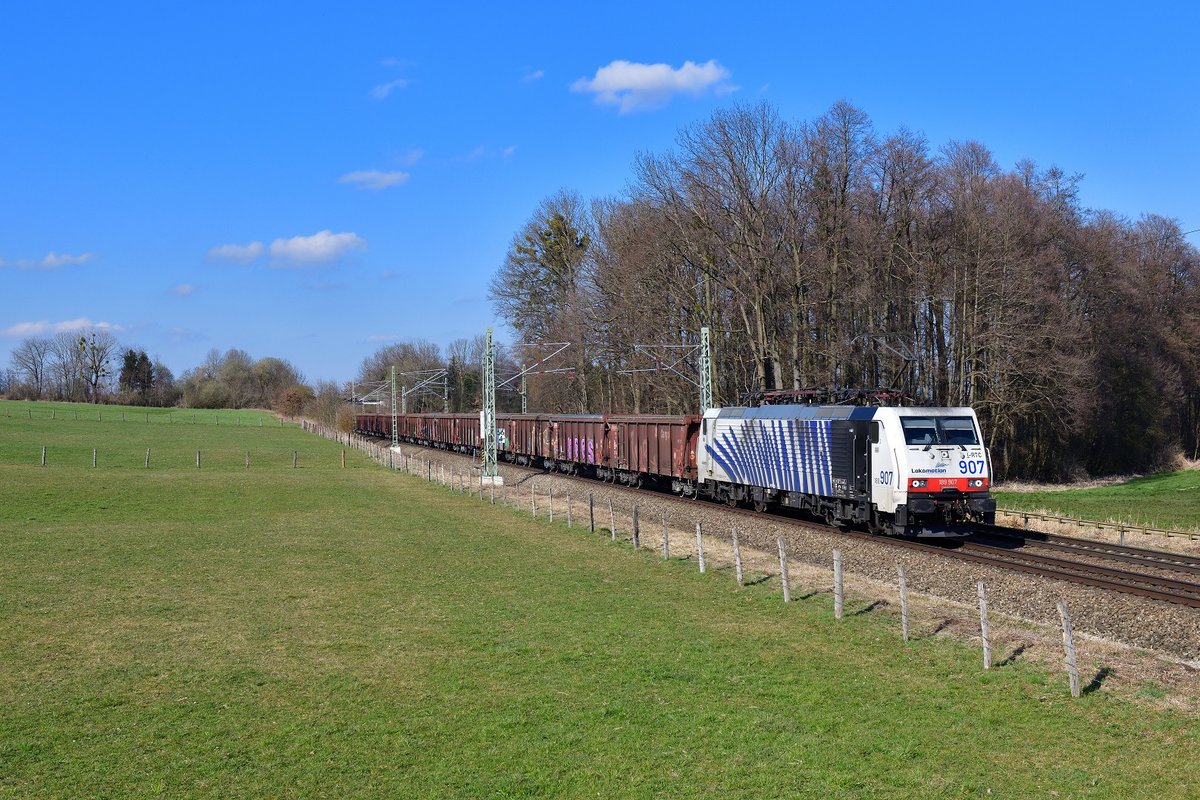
895, 470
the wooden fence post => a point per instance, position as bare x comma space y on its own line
1069, 648
636, 530
984, 631
568, 510
783, 571
93, 458
591, 512
737, 560
837, 584
197, 459
699, 548
247, 459
147, 458
612, 522
666, 543
903, 601
43, 455
533, 499
551, 504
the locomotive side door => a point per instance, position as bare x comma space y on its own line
884, 471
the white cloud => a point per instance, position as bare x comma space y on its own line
381, 91
52, 261
632, 86
240, 253
321, 247
374, 179
42, 327
382, 338
508, 151
182, 290
535, 75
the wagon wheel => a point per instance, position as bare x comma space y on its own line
730, 500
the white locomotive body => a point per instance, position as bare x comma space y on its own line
904, 471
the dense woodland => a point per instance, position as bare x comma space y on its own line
824, 253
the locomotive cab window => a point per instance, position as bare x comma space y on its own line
874, 432
939, 430
958, 430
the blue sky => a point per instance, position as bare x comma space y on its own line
310, 183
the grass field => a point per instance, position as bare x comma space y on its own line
328, 632
1169, 500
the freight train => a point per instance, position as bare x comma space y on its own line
903, 471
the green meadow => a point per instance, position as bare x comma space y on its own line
320, 631
1167, 500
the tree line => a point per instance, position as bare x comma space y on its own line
82, 366
823, 253
92, 366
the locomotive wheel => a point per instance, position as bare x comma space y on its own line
760, 506
731, 501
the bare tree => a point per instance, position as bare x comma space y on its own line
31, 360
66, 367
545, 291
96, 351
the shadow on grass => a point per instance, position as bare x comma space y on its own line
868, 609
1098, 680
1012, 657
941, 626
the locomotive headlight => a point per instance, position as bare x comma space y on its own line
975, 483
918, 483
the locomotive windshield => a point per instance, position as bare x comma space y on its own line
939, 430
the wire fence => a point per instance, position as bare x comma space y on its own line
228, 417
709, 550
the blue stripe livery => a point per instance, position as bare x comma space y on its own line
787, 454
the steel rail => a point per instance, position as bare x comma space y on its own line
1158, 559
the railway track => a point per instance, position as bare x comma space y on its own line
1141, 556
1078, 561
1157, 575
